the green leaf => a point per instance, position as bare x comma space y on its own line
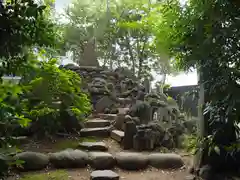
23, 122
217, 150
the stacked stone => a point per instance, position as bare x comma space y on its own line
108, 89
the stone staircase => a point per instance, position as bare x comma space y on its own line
99, 125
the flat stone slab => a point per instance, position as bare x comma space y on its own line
104, 175
97, 123
93, 146
101, 160
107, 116
131, 160
98, 132
165, 160
117, 135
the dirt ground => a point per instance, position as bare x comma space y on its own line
148, 174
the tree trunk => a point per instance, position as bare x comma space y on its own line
164, 78
131, 55
202, 125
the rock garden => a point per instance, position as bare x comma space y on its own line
100, 118
129, 130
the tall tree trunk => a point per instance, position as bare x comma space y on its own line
164, 78
202, 125
131, 55
141, 59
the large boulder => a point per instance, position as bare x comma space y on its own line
101, 160
142, 110
165, 161
69, 158
33, 160
131, 161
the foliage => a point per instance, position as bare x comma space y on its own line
24, 24
11, 113
190, 143
205, 34
54, 175
11, 116
122, 35
50, 91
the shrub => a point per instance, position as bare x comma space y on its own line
51, 93
10, 117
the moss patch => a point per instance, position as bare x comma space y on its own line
88, 139
55, 175
71, 143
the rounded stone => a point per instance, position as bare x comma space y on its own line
131, 160
33, 160
101, 160
165, 160
69, 158
104, 175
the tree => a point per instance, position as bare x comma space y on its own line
204, 35
24, 25
122, 34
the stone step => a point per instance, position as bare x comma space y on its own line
117, 135
104, 175
97, 132
96, 123
106, 116
93, 146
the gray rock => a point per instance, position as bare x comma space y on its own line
103, 103
190, 177
33, 160
93, 146
130, 131
101, 160
131, 161
117, 135
98, 132
69, 158
96, 123
107, 116
165, 160
104, 175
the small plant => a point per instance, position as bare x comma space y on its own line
190, 143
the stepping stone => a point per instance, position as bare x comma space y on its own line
117, 135
93, 146
190, 177
96, 123
131, 160
107, 116
101, 160
165, 160
104, 175
98, 132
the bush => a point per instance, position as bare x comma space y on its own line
51, 94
